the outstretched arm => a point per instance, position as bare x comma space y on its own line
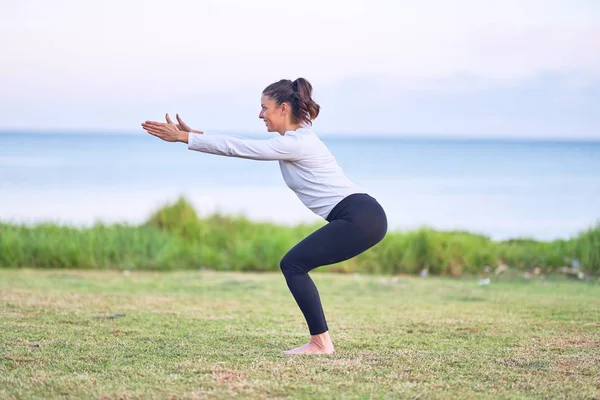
278, 148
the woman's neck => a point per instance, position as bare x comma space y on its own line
289, 127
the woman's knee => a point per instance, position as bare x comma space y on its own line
290, 265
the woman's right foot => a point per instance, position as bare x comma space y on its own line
318, 344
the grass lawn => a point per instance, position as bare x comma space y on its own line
103, 334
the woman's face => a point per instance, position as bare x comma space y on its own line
273, 115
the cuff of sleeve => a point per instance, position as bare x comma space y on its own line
194, 140
199, 141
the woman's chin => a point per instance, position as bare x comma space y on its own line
270, 128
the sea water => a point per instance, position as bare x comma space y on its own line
501, 188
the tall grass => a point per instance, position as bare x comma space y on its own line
174, 237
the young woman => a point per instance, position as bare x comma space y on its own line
356, 221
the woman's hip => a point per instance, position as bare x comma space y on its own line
362, 210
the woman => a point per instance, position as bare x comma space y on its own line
356, 221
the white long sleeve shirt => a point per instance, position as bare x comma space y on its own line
307, 166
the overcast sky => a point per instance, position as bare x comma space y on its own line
514, 68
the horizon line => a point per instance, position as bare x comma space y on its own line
328, 134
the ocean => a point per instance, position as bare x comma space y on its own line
537, 189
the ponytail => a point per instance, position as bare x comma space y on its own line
306, 105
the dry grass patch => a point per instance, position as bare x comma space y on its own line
575, 342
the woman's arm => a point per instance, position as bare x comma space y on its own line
278, 148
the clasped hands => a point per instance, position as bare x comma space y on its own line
169, 131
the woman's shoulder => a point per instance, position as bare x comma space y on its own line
310, 142
306, 133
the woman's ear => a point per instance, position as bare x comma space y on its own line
285, 108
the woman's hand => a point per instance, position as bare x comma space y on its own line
169, 131
182, 126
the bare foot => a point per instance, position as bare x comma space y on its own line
318, 344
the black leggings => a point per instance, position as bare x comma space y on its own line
355, 224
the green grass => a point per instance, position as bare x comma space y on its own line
207, 334
175, 238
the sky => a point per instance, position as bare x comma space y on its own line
480, 68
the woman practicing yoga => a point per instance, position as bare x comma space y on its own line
356, 221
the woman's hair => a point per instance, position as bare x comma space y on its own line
299, 95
